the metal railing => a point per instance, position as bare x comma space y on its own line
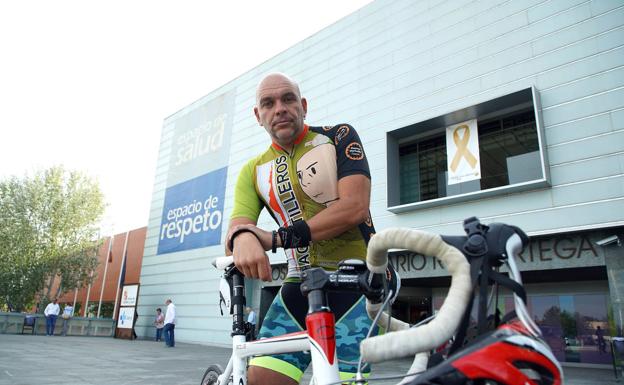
15, 323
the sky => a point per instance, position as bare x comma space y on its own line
87, 84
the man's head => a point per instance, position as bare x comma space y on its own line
167, 301
54, 301
280, 109
159, 310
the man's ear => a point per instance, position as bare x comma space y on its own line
255, 109
304, 103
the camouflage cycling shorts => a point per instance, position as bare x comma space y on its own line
287, 315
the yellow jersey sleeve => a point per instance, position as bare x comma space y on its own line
247, 204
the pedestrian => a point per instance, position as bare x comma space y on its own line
159, 324
51, 312
602, 344
251, 319
68, 313
170, 322
134, 320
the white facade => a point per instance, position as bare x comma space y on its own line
397, 63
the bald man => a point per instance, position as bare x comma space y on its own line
315, 183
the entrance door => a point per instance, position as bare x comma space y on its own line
412, 309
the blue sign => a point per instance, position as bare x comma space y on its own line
201, 138
193, 213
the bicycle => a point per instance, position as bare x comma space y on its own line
490, 359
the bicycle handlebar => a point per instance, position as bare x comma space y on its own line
408, 341
224, 262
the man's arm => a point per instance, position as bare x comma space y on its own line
354, 187
347, 212
249, 255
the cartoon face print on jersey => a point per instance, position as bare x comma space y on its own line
317, 173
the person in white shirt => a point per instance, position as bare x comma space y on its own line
51, 312
68, 312
170, 321
251, 318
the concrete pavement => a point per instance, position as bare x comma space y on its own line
42, 360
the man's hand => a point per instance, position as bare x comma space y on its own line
249, 255
265, 237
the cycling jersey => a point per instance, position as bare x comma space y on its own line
299, 184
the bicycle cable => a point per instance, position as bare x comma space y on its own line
359, 378
370, 330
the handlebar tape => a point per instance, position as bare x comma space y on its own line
426, 337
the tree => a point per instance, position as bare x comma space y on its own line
48, 233
568, 323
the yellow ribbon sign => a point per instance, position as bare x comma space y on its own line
462, 148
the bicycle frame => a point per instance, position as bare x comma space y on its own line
401, 339
319, 340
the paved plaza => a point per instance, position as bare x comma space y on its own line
42, 360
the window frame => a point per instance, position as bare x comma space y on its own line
486, 110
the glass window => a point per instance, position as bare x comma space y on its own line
547, 315
509, 154
77, 309
421, 165
592, 328
106, 310
575, 326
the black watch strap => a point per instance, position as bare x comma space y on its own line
235, 234
274, 242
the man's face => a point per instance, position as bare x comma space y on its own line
280, 109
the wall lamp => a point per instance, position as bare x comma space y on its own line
613, 239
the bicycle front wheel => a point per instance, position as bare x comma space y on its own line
211, 376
